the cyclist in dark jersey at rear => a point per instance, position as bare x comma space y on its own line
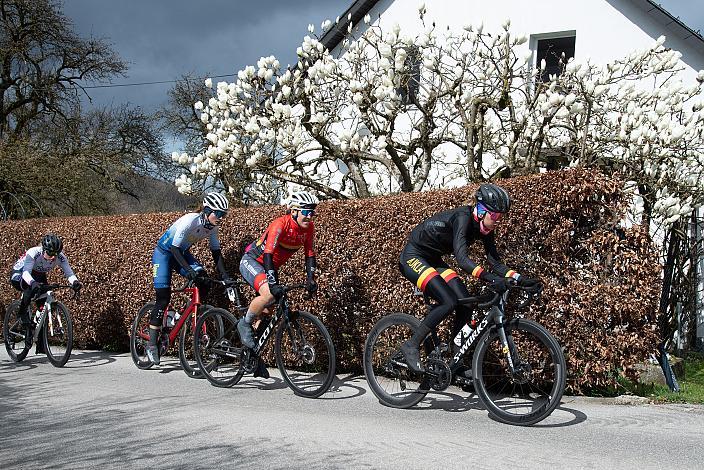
450, 233
263, 257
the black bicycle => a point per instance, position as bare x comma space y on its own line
305, 354
51, 324
518, 368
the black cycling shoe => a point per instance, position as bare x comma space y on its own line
28, 335
261, 370
40, 348
246, 333
412, 355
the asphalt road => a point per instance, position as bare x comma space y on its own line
101, 411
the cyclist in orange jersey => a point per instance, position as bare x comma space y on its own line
262, 259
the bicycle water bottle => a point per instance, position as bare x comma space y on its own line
462, 334
171, 318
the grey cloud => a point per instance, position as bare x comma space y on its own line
162, 40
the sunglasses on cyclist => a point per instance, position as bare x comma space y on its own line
495, 216
308, 212
220, 214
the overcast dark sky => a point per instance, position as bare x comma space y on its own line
163, 39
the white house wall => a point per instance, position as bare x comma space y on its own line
605, 29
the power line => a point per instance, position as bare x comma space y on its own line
115, 85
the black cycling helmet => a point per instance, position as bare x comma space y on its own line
52, 245
493, 197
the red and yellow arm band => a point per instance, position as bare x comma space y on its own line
477, 272
513, 274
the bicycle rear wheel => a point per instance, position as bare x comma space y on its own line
218, 349
530, 393
305, 354
57, 334
14, 334
385, 367
139, 337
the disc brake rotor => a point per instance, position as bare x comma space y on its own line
308, 354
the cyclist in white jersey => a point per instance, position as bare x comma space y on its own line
30, 272
172, 254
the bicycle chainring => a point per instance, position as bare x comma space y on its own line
439, 374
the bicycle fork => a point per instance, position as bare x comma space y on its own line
50, 317
506, 347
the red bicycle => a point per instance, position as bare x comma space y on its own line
175, 326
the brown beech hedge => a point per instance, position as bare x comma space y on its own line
601, 282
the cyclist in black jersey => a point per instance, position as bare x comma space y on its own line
450, 233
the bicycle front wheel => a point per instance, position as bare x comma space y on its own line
186, 348
305, 354
57, 334
530, 390
385, 366
16, 336
217, 347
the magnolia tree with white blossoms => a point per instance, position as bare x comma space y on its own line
392, 113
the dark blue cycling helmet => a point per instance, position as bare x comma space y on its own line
494, 198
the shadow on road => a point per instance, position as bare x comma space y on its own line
90, 359
578, 417
561, 417
447, 401
344, 388
77, 360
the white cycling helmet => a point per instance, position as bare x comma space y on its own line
302, 200
216, 202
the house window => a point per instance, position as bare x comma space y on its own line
410, 80
552, 49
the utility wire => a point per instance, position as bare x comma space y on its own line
115, 85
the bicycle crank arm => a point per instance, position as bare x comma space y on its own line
232, 353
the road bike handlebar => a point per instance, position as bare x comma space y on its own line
44, 288
228, 283
494, 296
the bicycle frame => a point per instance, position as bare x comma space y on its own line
191, 311
495, 316
282, 311
49, 299
191, 308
